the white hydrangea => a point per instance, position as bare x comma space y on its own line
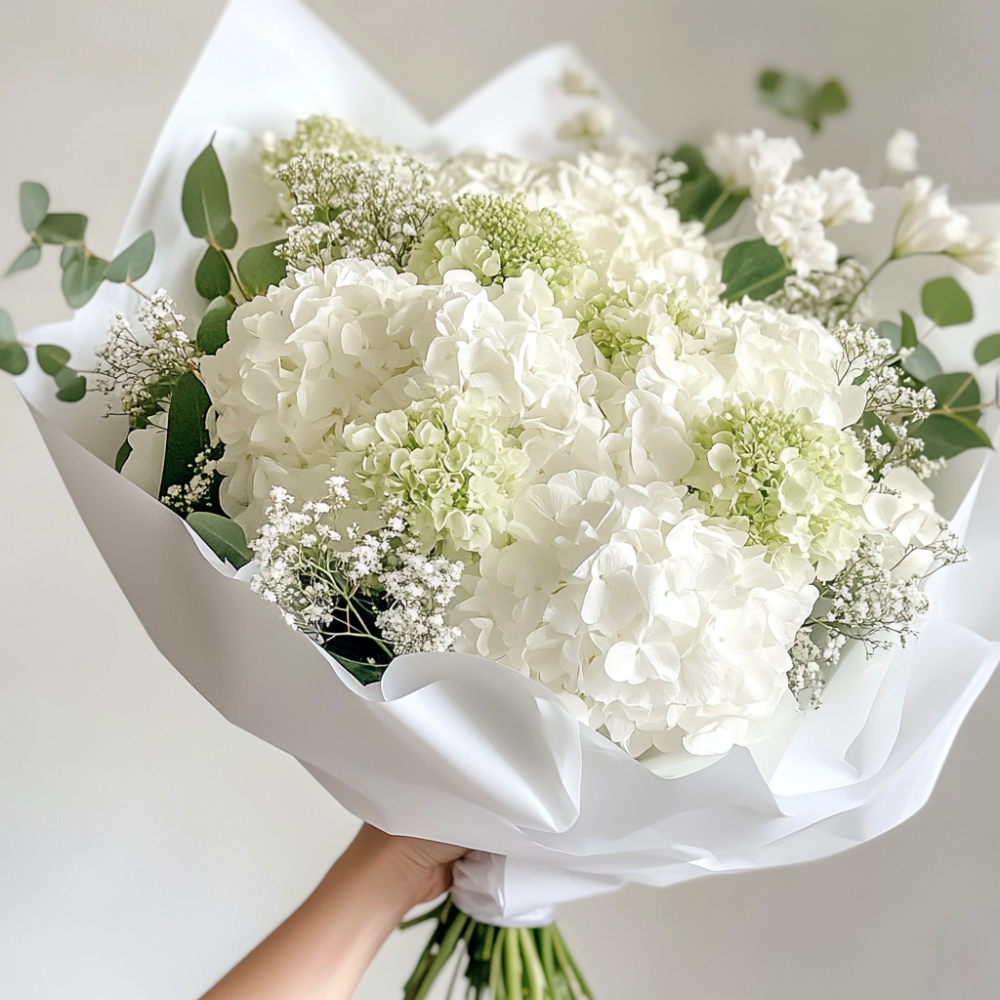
752, 161
672, 632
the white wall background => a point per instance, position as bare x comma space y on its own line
144, 842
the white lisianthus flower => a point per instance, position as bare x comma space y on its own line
578, 82
752, 161
901, 152
927, 222
791, 218
978, 253
846, 198
664, 624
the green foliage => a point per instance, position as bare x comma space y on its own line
82, 276
134, 261
954, 431
187, 435
72, 386
51, 358
702, 195
13, 357
62, 227
223, 536
796, 98
213, 331
363, 673
988, 349
258, 268
892, 332
957, 391
205, 201
946, 302
908, 332
34, 203
753, 268
122, 456
212, 279
922, 364
26, 259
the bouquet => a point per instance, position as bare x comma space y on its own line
597, 487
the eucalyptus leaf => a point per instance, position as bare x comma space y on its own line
7, 329
81, 278
908, 331
922, 364
227, 236
187, 435
213, 330
892, 332
948, 436
364, 673
223, 536
205, 198
122, 456
702, 195
988, 349
72, 386
957, 390
13, 357
796, 98
828, 99
51, 358
946, 302
753, 268
26, 259
212, 279
134, 261
259, 269
34, 204
68, 254
62, 227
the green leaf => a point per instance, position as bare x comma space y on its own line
908, 331
26, 259
187, 435
7, 329
753, 268
133, 262
212, 277
34, 201
957, 390
829, 99
123, 453
51, 358
922, 364
702, 195
946, 302
988, 349
72, 386
223, 536
948, 436
259, 269
213, 331
205, 198
67, 255
227, 236
892, 332
64, 227
81, 279
364, 673
13, 357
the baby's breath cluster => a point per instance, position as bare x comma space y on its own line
196, 493
143, 372
346, 206
335, 582
831, 297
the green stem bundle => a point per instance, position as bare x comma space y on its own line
500, 963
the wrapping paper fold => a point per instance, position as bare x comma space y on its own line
456, 748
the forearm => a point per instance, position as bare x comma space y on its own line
321, 951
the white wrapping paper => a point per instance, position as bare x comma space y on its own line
455, 748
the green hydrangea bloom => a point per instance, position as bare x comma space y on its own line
450, 464
497, 237
322, 134
797, 482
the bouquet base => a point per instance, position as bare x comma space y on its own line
500, 963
